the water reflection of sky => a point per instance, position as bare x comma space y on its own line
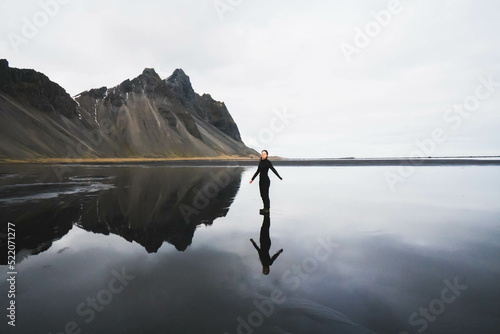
358, 257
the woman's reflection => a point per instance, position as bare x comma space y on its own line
265, 245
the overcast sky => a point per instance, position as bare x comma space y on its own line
341, 78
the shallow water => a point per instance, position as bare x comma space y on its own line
151, 249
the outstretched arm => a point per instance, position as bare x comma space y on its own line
256, 173
274, 170
255, 245
275, 256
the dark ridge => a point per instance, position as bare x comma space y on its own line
36, 89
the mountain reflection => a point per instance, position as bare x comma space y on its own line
145, 205
151, 206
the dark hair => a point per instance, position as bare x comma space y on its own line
266, 153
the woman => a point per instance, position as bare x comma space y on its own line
264, 182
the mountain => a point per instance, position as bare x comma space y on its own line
143, 117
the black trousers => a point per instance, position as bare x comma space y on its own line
264, 191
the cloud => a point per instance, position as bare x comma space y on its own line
262, 56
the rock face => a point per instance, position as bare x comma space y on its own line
143, 117
36, 89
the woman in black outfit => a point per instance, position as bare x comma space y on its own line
264, 182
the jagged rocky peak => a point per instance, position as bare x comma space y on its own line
147, 82
181, 85
150, 73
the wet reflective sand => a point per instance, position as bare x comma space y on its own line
152, 249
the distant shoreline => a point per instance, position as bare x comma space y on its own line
278, 161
